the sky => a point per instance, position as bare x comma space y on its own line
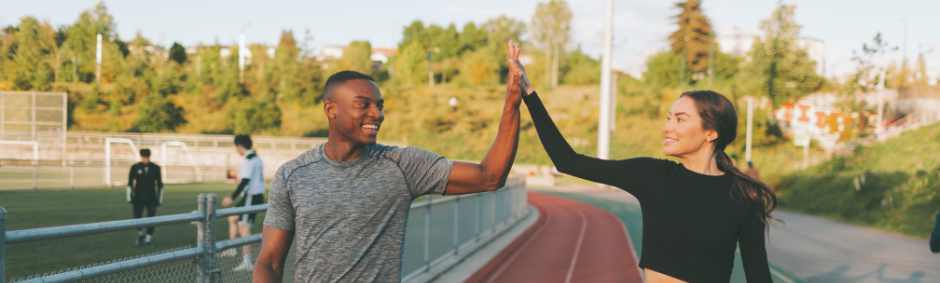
640, 26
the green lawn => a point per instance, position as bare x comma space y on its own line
897, 185
27, 210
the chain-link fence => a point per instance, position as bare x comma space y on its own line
439, 229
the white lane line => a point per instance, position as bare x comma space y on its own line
577, 248
785, 279
548, 218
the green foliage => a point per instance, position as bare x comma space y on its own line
411, 65
693, 37
580, 69
157, 114
177, 53
663, 70
355, 58
29, 68
254, 115
779, 68
898, 185
480, 68
551, 27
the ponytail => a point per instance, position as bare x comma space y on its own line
752, 190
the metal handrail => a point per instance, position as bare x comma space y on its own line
58, 232
256, 238
241, 210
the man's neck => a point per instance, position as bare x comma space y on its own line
342, 150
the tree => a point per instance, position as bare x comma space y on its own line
867, 75
410, 65
500, 31
177, 53
551, 26
82, 38
33, 55
581, 69
471, 38
783, 70
157, 114
693, 37
663, 70
356, 57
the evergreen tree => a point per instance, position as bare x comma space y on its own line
177, 53
693, 37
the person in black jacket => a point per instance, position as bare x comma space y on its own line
145, 190
695, 213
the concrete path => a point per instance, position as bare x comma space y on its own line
823, 251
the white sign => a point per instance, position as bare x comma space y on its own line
800, 138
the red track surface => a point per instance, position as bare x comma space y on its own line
570, 242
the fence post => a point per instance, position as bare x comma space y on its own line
201, 271
3, 243
210, 239
427, 236
456, 224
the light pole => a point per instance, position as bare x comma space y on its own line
880, 127
904, 55
603, 129
750, 126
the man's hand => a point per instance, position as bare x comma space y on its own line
491, 173
227, 201
517, 71
129, 194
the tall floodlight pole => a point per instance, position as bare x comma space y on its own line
98, 60
750, 126
603, 129
904, 55
881, 106
241, 58
613, 101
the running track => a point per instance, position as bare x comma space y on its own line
570, 242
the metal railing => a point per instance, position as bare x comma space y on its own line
457, 223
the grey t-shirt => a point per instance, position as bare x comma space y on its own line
349, 217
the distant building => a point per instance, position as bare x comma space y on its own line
382, 54
330, 52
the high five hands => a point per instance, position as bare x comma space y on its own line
517, 81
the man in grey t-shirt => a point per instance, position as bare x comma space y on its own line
345, 203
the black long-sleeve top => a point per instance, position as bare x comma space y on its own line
691, 225
146, 182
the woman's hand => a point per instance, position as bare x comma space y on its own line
517, 71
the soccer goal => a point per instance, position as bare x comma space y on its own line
180, 169
108, 152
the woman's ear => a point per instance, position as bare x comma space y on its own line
711, 135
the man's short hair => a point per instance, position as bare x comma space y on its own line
145, 152
243, 140
340, 78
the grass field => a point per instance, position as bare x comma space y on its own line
27, 210
898, 182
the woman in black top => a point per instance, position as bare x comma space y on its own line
695, 213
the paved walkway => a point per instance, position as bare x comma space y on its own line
570, 242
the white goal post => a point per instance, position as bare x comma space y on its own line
35, 145
107, 156
166, 162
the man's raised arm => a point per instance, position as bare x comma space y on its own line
491, 173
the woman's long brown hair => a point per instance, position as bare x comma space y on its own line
719, 114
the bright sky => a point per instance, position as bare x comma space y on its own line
641, 26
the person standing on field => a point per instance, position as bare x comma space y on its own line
250, 192
145, 190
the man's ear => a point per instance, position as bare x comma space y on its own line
329, 108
